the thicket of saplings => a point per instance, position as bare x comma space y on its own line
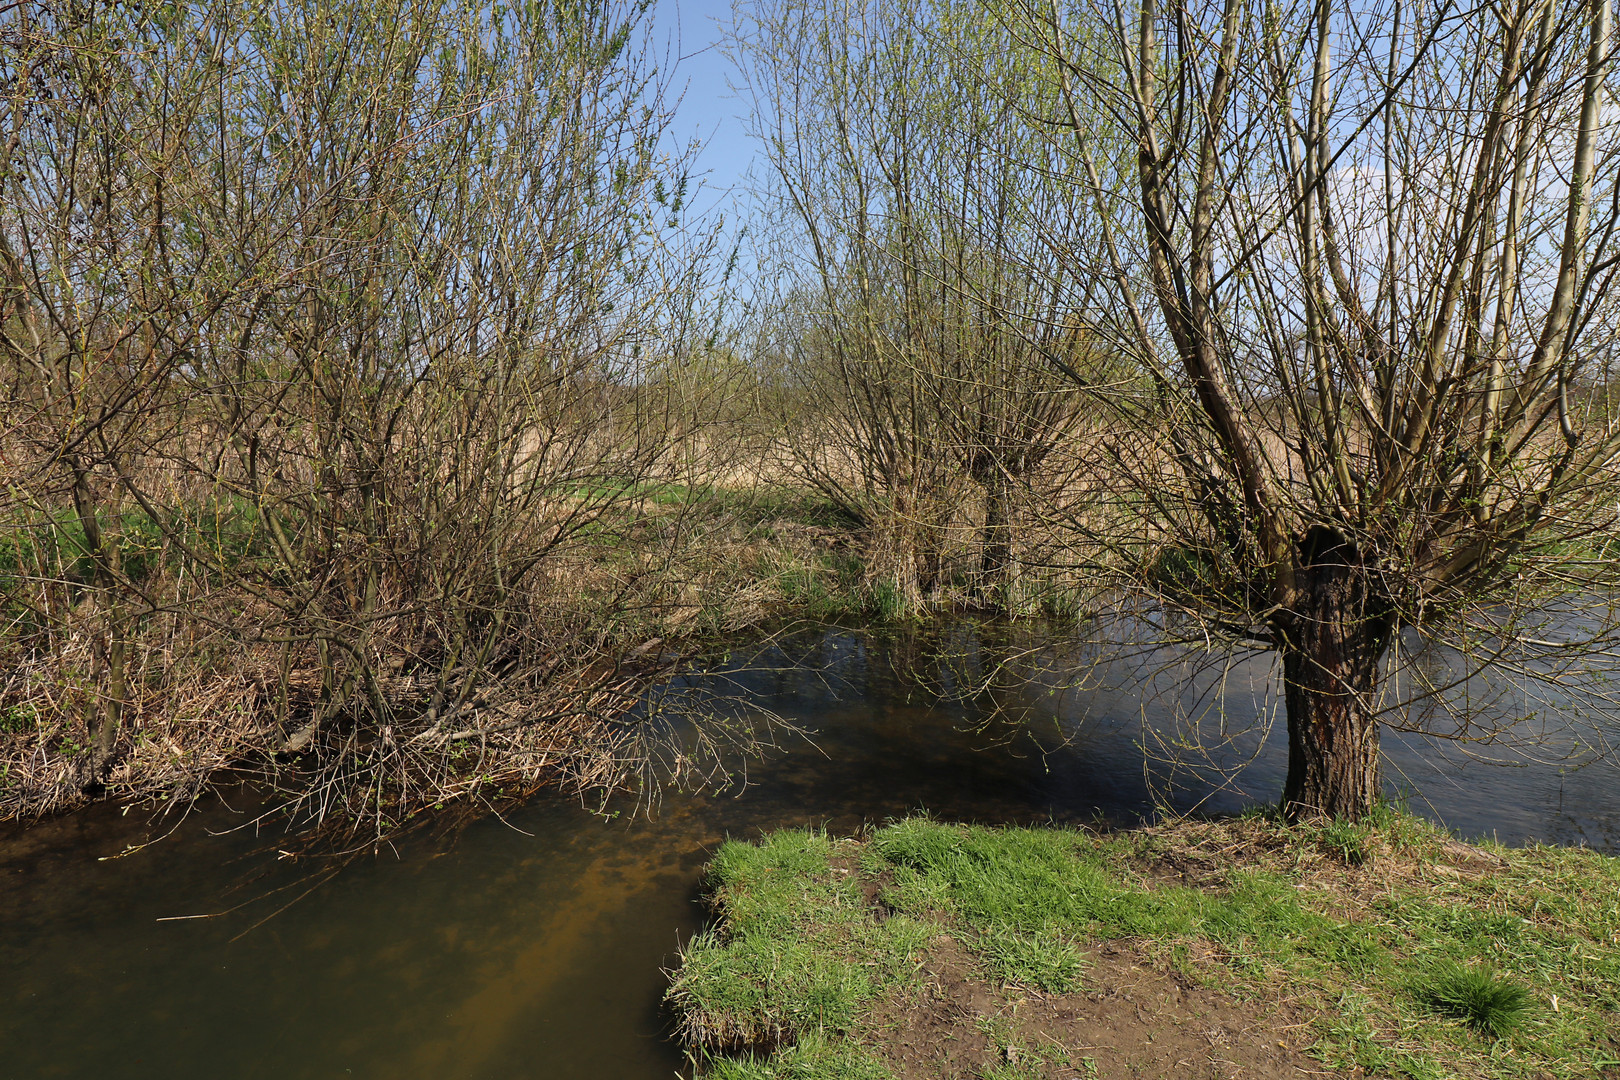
337, 343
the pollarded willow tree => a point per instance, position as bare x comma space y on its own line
925, 349
1364, 256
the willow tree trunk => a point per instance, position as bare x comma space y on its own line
995, 558
1333, 640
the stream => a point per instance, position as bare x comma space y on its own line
536, 946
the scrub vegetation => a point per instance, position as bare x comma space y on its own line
379, 419
336, 409
1385, 946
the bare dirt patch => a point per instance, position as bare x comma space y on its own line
1133, 1019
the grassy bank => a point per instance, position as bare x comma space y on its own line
1236, 947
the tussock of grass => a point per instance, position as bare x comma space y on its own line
1386, 933
1043, 961
1486, 1001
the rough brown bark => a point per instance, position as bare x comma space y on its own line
1333, 639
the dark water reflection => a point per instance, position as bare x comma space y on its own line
538, 953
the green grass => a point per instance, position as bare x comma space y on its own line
1416, 956
1042, 960
1489, 1003
1347, 840
814, 1057
228, 530
795, 951
831, 587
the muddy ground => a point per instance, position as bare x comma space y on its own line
1133, 1019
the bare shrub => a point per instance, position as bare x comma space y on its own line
323, 333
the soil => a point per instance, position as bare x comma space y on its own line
1157, 1009
1134, 1019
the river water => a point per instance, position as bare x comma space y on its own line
535, 947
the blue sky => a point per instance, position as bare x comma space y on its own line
687, 32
